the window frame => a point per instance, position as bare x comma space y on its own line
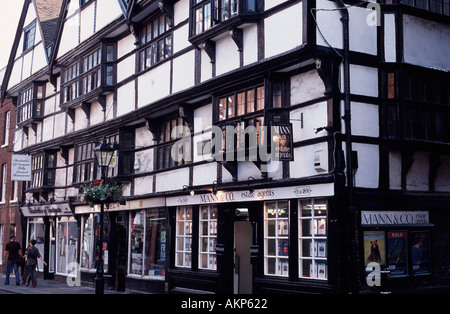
155, 42
29, 41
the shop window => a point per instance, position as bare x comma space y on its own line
208, 237
312, 231
276, 238
87, 257
183, 242
148, 243
66, 245
36, 231
404, 252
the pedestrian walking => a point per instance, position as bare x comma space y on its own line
24, 267
12, 254
32, 254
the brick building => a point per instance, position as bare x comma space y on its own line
10, 217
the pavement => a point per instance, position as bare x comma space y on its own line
45, 287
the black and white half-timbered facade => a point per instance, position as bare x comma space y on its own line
262, 146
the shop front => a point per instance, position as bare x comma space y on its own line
55, 230
133, 244
250, 241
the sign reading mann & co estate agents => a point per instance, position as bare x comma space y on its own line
21, 168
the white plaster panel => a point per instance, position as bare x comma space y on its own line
283, 31
181, 11
97, 115
70, 37
183, 71
109, 114
172, 180
395, 170
126, 68
143, 185
363, 80
180, 38
250, 44
107, 11
60, 177
48, 126
206, 66
418, 175
81, 121
367, 174
143, 137
227, 55
154, 84
314, 116
390, 53
365, 119
125, 46
303, 164
421, 37
27, 64
268, 4
205, 174
126, 98
60, 124
306, 86
39, 59
88, 21
145, 159
442, 181
203, 118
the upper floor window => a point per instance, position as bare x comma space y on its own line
156, 42
28, 36
206, 14
6, 128
85, 168
436, 6
91, 72
171, 131
31, 103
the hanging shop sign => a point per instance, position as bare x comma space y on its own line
46, 210
284, 150
394, 218
21, 167
325, 189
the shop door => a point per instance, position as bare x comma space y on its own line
242, 267
121, 257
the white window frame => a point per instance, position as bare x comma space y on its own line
280, 223
210, 238
183, 237
316, 237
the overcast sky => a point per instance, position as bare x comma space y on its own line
9, 17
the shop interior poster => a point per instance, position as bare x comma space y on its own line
374, 247
420, 252
397, 252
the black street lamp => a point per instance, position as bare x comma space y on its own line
103, 156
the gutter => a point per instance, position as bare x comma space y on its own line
352, 235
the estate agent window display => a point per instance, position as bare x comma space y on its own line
312, 238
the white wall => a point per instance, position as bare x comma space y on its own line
421, 38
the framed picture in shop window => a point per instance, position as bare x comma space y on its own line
374, 247
420, 252
397, 255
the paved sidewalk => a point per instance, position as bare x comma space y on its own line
45, 287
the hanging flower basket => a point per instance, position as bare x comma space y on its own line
106, 193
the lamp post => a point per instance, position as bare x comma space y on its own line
103, 156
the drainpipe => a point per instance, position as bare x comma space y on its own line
352, 226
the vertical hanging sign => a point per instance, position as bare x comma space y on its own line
282, 140
21, 168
